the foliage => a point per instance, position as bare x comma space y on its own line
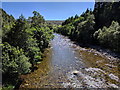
105, 13
14, 60
85, 29
9, 87
23, 44
110, 36
69, 20
66, 29
31, 39
24, 40
94, 27
80, 28
43, 36
107, 18
36, 20
7, 22
21, 36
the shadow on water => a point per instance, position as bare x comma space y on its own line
67, 65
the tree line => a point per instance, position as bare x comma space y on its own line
23, 42
100, 26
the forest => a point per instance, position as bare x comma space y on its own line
24, 40
100, 26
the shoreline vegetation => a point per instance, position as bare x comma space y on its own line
23, 44
54, 70
24, 40
99, 27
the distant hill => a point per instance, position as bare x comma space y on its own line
56, 22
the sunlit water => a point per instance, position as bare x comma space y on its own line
67, 65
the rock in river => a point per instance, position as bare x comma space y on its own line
76, 72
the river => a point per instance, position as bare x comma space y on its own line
67, 65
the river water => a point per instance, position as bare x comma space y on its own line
67, 65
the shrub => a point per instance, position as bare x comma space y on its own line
14, 60
110, 36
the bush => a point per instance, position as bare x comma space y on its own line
110, 36
80, 28
14, 60
24, 40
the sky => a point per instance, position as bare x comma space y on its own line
49, 10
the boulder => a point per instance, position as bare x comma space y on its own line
76, 72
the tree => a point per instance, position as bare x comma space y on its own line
79, 28
7, 22
23, 44
37, 19
110, 36
76, 16
86, 29
14, 60
105, 13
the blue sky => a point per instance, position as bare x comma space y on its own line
50, 10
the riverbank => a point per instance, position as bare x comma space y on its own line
112, 56
57, 70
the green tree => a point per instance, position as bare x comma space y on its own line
14, 63
37, 19
105, 13
79, 28
23, 44
7, 22
110, 36
85, 29
14, 60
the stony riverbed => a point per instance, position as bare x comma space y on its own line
67, 65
